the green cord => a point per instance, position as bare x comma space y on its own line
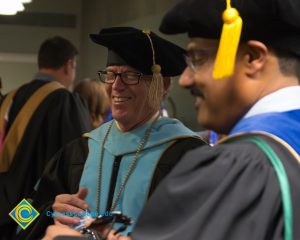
282, 179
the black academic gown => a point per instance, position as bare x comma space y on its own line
228, 192
63, 175
60, 118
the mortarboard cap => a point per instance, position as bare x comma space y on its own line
273, 22
133, 47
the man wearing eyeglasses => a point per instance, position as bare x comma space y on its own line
118, 166
247, 186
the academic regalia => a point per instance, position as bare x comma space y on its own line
60, 118
131, 46
69, 168
168, 139
231, 190
227, 192
163, 135
273, 22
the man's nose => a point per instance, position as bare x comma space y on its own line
118, 83
186, 79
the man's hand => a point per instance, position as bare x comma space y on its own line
60, 230
118, 236
69, 203
102, 230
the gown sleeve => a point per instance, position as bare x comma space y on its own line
60, 118
62, 175
171, 157
225, 192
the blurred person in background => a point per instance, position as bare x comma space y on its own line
36, 120
94, 93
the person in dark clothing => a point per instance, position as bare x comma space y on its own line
246, 186
119, 165
36, 120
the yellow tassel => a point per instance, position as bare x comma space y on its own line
146, 31
229, 42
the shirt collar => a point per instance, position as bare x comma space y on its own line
43, 77
285, 99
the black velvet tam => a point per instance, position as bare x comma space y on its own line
132, 46
273, 22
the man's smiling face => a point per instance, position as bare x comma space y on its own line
129, 103
220, 103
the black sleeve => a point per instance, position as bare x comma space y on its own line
171, 157
62, 175
223, 192
59, 119
66, 120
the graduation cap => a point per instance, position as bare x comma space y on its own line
141, 49
276, 23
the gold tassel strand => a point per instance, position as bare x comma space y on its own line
229, 42
156, 87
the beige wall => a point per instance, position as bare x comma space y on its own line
22, 42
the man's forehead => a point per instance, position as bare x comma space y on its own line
122, 68
198, 43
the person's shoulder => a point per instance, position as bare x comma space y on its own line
73, 153
98, 133
222, 161
174, 126
241, 153
63, 93
78, 143
63, 97
190, 141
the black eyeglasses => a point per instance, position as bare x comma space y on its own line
128, 78
196, 58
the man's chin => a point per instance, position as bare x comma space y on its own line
205, 122
119, 114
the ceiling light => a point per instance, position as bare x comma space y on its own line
11, 7
26, 1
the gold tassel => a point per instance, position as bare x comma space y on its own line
156, 88
229, 42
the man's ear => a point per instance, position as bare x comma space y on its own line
67, 67
255, 57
